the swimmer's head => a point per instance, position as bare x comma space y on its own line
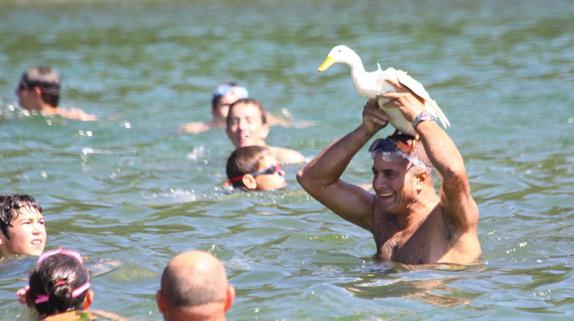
254, 168
22, 228
44, 78
403, 147
60, 282
223, 96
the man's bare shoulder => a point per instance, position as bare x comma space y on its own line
75, 114
194, 128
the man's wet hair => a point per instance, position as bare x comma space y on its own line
248, 101
243, 160
11, 205
47, 79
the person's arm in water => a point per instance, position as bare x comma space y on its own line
321, 178
194, 128
456, 200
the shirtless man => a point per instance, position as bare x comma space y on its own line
194, 287
22, 229
247, 125
410, 222
39, 90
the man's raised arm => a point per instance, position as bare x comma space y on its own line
321, 177
456, 199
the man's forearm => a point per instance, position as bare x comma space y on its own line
329, 165
440, 149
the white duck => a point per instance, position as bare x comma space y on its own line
373, 84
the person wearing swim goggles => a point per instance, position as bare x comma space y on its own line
254, 168
411, 223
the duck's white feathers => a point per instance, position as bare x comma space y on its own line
375, 83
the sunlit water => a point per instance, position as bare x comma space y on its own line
129, 189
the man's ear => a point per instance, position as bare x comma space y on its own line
249, 182
229, 297
37, 91
88, 299
160, 301
421, 179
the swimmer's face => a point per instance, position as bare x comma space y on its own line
245, 126
270, 176
222, 109
27, 234
392, 182
27, 96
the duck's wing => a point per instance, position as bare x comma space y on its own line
418, 89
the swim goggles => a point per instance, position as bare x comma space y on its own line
270, 170
401, 146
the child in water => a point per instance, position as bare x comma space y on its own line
60, 289
22, 229
254, 168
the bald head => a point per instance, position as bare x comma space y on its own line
194, 278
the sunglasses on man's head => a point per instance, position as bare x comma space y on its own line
403, 143
399, 145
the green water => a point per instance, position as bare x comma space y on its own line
129, 188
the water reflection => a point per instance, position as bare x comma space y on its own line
392, 280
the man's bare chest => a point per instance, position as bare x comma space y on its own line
421, 244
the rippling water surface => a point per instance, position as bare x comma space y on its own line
129, 189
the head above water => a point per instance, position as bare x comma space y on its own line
22, 229
43, 80
223, 96
225, 89
247, 123
254, 168
60, 282
194, 286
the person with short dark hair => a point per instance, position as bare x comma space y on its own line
254, 168
39, 90
247, 125
194, 287
410, 222
22, 226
